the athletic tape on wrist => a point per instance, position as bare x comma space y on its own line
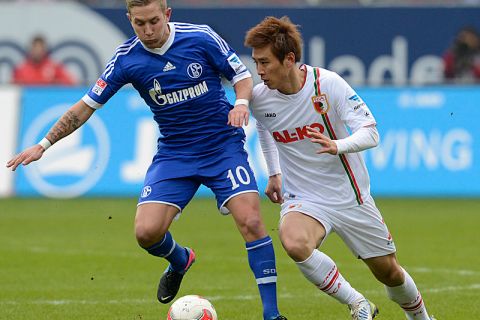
45, 143
241, 101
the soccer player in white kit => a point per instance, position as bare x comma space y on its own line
304, 119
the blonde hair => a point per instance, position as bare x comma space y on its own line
140, 3
281, 34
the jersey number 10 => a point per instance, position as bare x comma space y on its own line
240, 172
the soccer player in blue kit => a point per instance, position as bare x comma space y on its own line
176, 68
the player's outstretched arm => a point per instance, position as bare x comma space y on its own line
240, 112
70, 121
362, 139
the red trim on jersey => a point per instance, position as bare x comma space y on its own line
343, 158
345, 161
317, 71
304, 69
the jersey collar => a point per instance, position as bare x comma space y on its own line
163, 49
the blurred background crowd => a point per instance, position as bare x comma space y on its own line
292, 3
42, 58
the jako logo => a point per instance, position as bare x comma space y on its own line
71, 167
270, 114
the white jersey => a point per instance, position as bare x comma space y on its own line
326, 102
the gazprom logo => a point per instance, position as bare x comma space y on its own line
74, 164
177, 96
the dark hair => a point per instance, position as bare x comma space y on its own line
39, 38
281, 34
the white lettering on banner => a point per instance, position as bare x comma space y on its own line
429, 99
451, 150
9, 110
84, 164
146, 135
459, 155
425, 70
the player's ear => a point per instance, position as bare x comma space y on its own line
168, 14
290, 59
128, 16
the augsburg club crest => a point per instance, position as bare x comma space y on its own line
320, 103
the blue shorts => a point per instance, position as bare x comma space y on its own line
174, 180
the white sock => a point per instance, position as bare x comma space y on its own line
320, 270
409, 298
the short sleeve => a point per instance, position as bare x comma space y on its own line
349, 105
224, 58
111, 80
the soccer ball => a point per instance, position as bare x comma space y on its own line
192, 307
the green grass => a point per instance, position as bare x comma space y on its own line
78, 259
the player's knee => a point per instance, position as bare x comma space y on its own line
297, 247
147, 236
252, 227
255, 226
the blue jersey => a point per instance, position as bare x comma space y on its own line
181, 84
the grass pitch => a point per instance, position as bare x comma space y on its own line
78, 259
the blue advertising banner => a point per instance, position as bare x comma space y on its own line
429, 141
367, 46
107, 156
429, 144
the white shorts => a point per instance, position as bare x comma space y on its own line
361, 228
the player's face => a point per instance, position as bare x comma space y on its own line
38, 51
150, 24
273, 72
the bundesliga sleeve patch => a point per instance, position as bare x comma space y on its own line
236, 64
356, 102
100, 85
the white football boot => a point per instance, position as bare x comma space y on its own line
363, 310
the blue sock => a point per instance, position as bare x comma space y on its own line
261, 258
174, 253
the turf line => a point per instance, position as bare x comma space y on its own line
475, 286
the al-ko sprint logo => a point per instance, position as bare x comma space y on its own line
74, 164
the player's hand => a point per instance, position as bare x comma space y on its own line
26, 156
274, 188
328, 145
238, 115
